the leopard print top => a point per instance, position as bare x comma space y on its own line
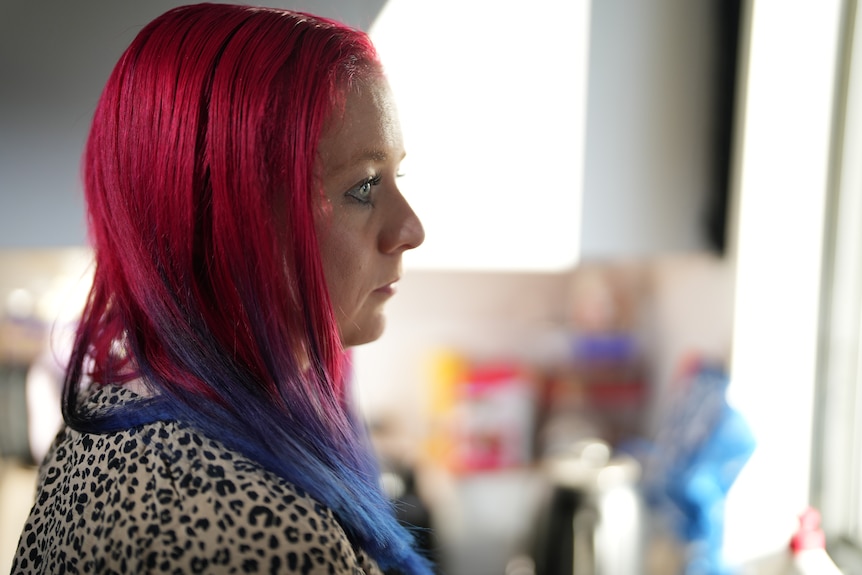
163, 498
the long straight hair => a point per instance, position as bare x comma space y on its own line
201, 191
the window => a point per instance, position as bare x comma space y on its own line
837, 454
496, 179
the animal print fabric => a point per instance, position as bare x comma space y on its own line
162, 498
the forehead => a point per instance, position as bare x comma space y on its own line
366, 129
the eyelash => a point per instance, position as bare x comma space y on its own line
356, 192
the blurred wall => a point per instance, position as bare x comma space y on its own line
649, 143
651, 126
55, 57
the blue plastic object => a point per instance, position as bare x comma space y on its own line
696, 458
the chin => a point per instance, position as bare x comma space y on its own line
363, 333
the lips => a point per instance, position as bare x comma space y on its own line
389, 288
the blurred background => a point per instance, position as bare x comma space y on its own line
630, 343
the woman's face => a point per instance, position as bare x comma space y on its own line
365, 224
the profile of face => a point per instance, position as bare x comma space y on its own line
365, 224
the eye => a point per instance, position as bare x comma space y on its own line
362, 192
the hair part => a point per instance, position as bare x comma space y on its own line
200, 182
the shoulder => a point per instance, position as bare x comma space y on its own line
164, 497
224, 502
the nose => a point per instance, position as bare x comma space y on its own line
404, 230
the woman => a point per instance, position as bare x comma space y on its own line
240, 178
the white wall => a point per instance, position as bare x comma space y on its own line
649, 120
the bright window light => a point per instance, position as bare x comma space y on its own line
782, 196
492, 99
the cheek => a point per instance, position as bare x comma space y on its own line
342, 268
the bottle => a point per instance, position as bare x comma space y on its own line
808, 547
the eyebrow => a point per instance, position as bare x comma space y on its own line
371, 154
375, 155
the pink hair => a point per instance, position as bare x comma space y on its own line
189, 180
201, 189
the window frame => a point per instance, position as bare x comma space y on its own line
836, 475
